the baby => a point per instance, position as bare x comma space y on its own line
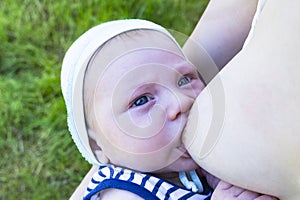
127, 106
128, 88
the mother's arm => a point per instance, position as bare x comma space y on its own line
222, 30
80, 190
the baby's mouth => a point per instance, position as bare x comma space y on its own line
185, 153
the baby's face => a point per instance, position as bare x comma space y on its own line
141, 105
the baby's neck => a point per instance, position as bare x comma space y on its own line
172, 177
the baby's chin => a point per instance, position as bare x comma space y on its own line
183, 163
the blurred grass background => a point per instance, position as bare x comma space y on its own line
38, 158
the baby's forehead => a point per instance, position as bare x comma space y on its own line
134, 40
125, 43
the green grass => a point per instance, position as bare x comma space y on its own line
38, 157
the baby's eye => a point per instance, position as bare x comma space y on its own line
141, 101
184, 80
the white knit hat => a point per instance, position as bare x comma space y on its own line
73, 71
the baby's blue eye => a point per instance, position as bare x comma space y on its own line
184, 80
141, 101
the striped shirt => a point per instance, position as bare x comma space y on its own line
144, 185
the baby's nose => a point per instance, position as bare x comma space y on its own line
178, 104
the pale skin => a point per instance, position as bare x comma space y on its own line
136, 99
161, 99
221, 31
260, 88
154, 108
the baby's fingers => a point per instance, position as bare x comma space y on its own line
226, 191
248, 195
266, 197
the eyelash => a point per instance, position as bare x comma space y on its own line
183, 81
190, 77
144, 97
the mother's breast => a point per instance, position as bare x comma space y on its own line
245, 126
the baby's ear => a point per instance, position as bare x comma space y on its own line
101, 157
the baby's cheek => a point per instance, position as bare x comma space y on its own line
198, 86
142, 125
140, 119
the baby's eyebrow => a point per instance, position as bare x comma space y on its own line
184, 67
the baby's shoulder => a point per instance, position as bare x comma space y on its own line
112, 182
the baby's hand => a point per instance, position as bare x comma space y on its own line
226, 191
